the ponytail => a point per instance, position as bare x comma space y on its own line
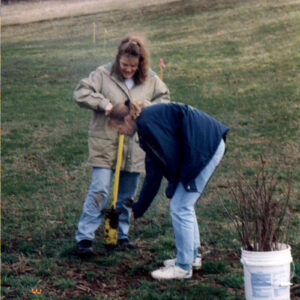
135, 108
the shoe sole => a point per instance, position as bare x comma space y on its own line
193, 267
181, 278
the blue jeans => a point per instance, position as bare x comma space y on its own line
97, 198
183, 215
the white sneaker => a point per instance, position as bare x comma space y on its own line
171, 272
196, 265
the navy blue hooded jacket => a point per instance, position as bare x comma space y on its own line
179, 141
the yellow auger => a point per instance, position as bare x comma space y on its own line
111, 214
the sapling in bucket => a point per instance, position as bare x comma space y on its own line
259, 209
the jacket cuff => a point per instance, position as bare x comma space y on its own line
103, 103
170, 190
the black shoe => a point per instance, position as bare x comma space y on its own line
84, 247
124, 243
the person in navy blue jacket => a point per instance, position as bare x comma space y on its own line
184, 145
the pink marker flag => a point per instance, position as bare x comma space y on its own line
161, 66
162, 63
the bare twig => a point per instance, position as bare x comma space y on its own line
258, 210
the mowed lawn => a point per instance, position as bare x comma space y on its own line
239, 61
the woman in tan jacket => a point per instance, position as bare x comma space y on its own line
129, 77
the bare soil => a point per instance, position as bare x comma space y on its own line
21, 12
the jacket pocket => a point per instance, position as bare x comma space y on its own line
99, 128
102, 152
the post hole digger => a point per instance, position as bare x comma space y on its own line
112, 214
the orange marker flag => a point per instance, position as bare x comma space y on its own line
94, 33
162, 67
104, 37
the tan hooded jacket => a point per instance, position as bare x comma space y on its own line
95, 93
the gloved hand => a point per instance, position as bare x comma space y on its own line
129, 203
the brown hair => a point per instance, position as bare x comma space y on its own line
121, 110
133, 45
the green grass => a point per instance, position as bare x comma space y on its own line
236, 60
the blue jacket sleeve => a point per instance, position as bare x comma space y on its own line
150, 188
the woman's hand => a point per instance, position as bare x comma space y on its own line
108, 108
129, 204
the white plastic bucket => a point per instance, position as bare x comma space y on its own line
267, 274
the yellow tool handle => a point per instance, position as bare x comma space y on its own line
117, 171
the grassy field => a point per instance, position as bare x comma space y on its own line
237, 60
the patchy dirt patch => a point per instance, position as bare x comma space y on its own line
35, 11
